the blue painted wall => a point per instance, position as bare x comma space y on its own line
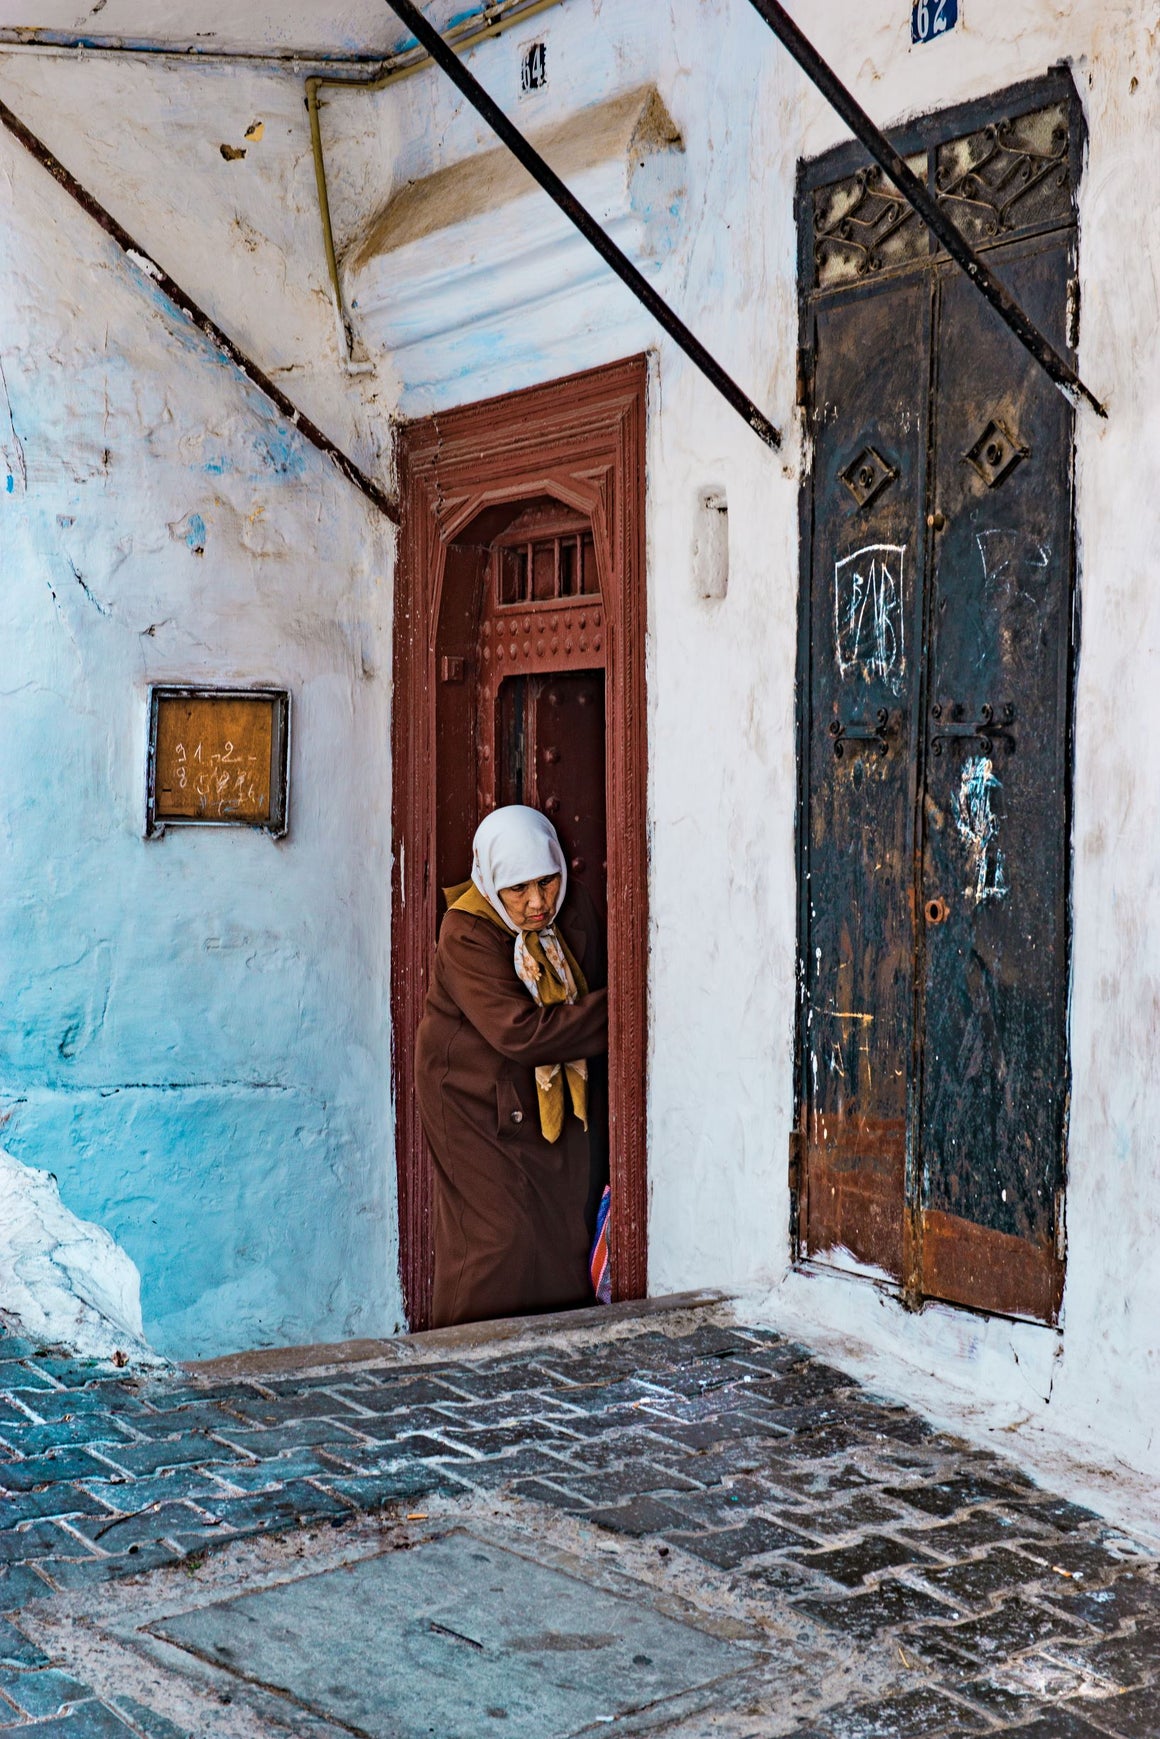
194, 1030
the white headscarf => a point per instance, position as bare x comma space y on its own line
515, 844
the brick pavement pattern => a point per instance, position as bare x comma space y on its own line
730, 1445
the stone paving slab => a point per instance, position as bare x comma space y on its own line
769, 1484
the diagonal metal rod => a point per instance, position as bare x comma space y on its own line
928, 208
445, 56
204, 322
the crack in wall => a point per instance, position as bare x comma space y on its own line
100, 608
14, 451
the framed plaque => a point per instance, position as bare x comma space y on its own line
218, 757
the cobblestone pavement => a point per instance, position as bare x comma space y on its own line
750, 1473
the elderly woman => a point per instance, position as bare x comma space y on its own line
501, 1068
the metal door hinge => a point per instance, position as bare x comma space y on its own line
805, 371
874, 733
1073, 314
993, 726
796, 1151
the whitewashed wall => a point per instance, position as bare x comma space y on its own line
720, 683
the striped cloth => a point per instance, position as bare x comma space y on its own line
598, 1261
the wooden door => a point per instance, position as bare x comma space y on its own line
550, 749
541, 657
519, 677
935, 693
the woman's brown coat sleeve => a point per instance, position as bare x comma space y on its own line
509, 1223
499, 1006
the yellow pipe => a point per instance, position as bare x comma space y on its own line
498, 16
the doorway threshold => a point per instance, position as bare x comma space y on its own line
463, 1338
841, 1262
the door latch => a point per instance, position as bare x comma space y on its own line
861, 731
986, 729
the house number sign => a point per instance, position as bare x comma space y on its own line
932, 18
217, 758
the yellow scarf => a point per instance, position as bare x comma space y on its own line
548, 990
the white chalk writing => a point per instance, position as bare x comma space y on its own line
978, 827
223, 781
998, 548
868, 614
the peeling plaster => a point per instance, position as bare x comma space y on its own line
63, 1278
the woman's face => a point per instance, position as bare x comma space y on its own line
530, 905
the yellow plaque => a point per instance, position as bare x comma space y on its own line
218, 757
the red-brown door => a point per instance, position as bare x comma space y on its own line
519, 678
549, 747
540, 657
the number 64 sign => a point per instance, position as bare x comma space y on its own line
931, 18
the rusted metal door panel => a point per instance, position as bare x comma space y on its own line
995, 817
870, 390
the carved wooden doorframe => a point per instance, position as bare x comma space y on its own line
580, 440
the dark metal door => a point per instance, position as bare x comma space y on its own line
864, 634
935, 694
995, 833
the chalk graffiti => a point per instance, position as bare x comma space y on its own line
221, 792
1021, 596
999, 548
978, 827
868, 614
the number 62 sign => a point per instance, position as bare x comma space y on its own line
932, 18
